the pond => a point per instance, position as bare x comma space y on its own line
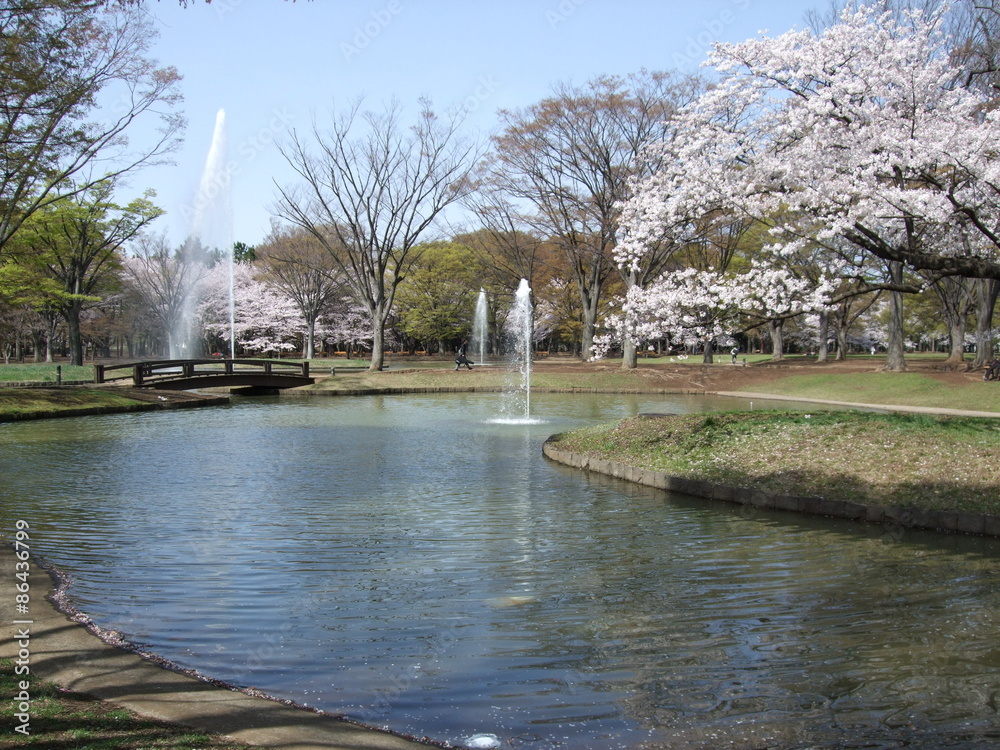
413, 564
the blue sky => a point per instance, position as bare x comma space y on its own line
274, 65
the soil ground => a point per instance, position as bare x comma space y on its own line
723, 376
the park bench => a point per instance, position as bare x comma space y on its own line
992, 370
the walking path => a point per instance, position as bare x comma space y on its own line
851, 404
66, 653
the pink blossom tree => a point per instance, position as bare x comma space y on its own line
265, 320
859, 134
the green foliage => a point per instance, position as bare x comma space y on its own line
72, 248
244, 253
437, 298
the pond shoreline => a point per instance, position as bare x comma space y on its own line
66, 648
894, 516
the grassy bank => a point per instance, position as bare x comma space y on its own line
64, 719
935, 463
18, 403
906, 389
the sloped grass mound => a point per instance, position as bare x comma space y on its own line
916, 461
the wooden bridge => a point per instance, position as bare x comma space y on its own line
188, 374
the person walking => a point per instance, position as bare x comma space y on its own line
461, 358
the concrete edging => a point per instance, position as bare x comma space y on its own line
54, 643
934, 520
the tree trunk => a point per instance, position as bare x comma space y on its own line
986, 300
378, 340
823, 352
72, 315
777, 329
708, 351
630, 357
589, 326
894, 360
956, 337
310, 347
841, 344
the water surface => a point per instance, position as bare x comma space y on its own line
412, 564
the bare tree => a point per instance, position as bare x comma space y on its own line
58, 59
570, 161
371, 197
164, 281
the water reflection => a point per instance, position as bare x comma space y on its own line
407, 562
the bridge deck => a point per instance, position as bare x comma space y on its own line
188, 374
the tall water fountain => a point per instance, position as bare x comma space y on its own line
516, 405
211, 227
480, 328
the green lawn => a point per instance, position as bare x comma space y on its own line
44, 372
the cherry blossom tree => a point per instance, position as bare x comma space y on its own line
265, 320
858, 134
349, 325
700, 306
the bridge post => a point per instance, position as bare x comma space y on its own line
305, 369
98, 373
137, 374
229, 366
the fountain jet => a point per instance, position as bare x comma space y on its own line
211, 227
480, 330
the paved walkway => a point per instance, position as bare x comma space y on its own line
851, 404
66, 653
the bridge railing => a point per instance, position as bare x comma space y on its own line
142, 373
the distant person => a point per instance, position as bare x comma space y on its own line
461, 358
736, 350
